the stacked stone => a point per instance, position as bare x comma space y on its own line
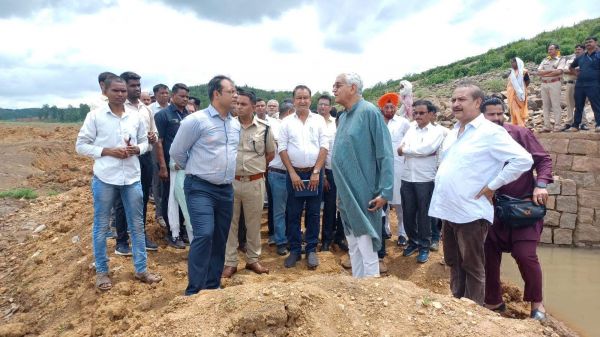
573, 216
561, 215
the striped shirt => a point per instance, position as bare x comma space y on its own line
206, 145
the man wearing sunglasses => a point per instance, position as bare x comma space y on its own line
419, 148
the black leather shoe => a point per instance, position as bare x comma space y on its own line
291, 260
312, 261
583, 127
342, 245
325, 246
500, 308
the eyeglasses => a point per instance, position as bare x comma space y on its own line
323, 104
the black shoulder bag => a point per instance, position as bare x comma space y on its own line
518, 213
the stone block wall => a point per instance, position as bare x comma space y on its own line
573, 216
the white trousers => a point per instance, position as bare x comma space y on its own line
365, 262
401, 231
173, 205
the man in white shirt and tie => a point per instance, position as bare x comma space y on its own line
477, 157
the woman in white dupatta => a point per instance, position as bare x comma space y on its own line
516, 88
406, 97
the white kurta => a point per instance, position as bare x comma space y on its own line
397, 127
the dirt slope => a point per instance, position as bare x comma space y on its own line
47, 278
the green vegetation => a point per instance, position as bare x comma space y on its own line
201, 92
19, 193
47, 113
532, 50
52, 193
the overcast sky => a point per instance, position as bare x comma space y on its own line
53, 50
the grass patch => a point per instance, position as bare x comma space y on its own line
494, 85
52, 193
19, 193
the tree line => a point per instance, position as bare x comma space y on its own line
47, 113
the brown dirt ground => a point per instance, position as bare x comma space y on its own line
47, 278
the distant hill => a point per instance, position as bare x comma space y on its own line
495, 60
530, 50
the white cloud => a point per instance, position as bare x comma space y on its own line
54, 55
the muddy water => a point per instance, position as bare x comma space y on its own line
571, 281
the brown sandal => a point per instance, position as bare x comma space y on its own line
103, 282
148, 277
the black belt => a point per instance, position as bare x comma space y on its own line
277, 170
570, 82
303, 169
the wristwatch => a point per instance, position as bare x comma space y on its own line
541, 184
315, 171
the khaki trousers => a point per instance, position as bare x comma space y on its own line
250, 194
551, 102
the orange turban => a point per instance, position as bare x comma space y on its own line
390, 97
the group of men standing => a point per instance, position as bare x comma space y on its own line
580, 72
366, 160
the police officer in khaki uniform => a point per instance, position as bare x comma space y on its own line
550, 72
255, 150
570, 78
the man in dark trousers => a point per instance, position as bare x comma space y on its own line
521, 242
588, 82
206, 147
167, 122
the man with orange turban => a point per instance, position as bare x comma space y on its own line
397, 126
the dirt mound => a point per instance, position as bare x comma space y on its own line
331, 306
42, 157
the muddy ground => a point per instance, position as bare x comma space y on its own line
47, 276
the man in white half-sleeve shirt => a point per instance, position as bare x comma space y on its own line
478, 157
114, 136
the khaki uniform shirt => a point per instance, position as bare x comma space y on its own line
252, 148
568, 60
551, 64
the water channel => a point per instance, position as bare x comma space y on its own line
571, 281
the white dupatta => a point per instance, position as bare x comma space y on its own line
517, 79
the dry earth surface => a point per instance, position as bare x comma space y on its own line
47, 276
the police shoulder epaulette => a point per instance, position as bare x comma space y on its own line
262, 122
